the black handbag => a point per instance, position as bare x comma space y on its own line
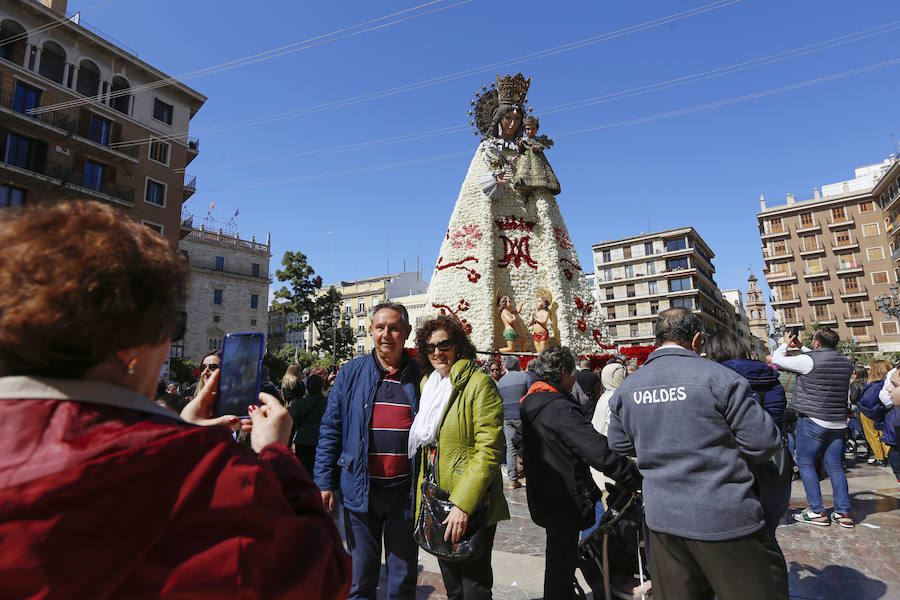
434, 507
779, 469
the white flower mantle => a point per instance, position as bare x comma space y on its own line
514, 246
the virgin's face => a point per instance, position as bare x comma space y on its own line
441, 360
509, 125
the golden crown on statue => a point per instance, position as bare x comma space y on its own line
512, 90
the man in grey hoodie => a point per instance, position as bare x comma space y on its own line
694, 427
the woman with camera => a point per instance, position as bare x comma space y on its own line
104, 493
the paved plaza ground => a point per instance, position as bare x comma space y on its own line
824, 563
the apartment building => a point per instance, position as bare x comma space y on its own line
887, 191
126, 149
827, 258
229, 289
741, 320
280, 331
361, 295
637, 277
415, 306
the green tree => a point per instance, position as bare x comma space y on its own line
334, 337
180, 370
303, 282
277, 364
279, 359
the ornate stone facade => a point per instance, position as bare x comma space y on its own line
229, 289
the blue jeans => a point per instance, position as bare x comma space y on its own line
390, 515
511, 428
814, 441
855, 428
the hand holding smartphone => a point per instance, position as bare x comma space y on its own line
239, 374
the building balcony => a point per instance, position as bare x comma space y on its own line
896, 254
814, 228
893, 195
857, 317
850, 246
61, 179
678, 272
826, 297
893, 222
814, 273
613, 319
839, 223
774, 257
784, 300
632, 337
857, 293
624, 278
193, 149
775, 234
187, 223
826, 320
361, 312
647, 296
642, 258
848, 268
190, 186
360, 333
56, 126
865, 340
780, 276
809, 252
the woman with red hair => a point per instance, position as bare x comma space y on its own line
104, 493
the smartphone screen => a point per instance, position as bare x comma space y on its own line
239, 374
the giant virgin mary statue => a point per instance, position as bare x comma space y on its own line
507, 268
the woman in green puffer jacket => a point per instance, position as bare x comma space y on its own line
461, 418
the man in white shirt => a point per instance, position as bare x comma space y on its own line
820, 400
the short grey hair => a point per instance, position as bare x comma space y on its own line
513, 364
677, 325
552, 362
395, 306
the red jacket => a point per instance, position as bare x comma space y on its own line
109, 502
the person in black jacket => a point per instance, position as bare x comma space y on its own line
559, 446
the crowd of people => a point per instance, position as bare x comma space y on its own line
409, 447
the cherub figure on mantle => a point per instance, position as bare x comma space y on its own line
540, 321
509, 315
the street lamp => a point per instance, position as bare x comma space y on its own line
889, 305
335, 316
778, 329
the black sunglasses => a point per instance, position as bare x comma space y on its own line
211, 367
180, 325
443, 346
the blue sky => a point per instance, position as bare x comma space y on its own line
705, 168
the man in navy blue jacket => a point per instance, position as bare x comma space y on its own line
363, 448
694, 426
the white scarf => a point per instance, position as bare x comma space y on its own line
435, 396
